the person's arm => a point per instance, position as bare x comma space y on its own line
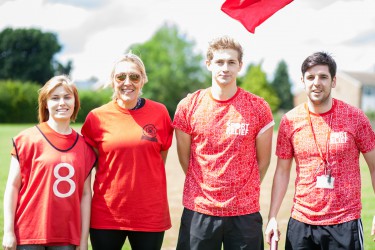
279, 188
183, 148
370, 160
85, 214
164, 155
263, 150
12, 190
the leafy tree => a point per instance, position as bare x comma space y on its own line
18, 102
282, 86
255, 81
61, 69
27, 55
91, 99
173, 68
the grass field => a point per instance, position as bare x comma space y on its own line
7, 131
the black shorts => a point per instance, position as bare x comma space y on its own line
204, 232
345, 236
107, 239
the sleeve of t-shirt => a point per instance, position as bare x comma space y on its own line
284, 147
265, 116
88, 130
181, 119
365, 137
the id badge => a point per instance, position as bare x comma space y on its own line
325, 181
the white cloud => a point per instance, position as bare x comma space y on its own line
89, 4
39, 14
95, 33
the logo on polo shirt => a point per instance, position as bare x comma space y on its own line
338, 137
149, 133
236, 128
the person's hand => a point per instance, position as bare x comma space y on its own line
9, 241
272, 229
82, 246
373, 228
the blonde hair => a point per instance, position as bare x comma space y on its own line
50, 86
224, 42
129, 57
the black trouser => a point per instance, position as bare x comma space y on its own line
105, 239
205, 232
348, 236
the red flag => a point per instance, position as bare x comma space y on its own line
251, 13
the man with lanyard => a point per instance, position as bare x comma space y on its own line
325, 136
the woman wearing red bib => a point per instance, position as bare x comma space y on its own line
48, 192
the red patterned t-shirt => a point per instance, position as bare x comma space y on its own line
350, 134
223, 174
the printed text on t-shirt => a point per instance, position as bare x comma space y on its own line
235, 128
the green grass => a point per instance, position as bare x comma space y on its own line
367, 204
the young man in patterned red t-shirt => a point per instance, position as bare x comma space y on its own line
224, 137
326, 137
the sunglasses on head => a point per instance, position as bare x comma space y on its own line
133, 77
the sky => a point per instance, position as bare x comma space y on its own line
94, 33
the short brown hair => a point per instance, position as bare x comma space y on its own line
51, 85
224, 42
319, 58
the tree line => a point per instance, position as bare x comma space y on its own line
174, 68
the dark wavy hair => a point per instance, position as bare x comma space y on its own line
319, 58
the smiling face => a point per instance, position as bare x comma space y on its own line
128, 83
60, 104
224, 67
318, 86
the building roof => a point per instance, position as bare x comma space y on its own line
364, 78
